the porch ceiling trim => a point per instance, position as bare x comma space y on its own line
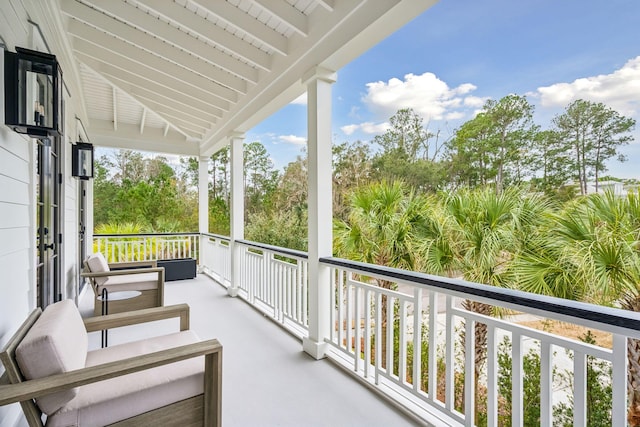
199, 70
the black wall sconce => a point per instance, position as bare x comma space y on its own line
82, 160
33, 93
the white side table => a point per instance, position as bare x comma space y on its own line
113, 296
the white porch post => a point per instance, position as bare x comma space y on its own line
203, 203
319, 83
237, 209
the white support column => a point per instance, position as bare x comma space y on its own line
319, 81
237, 209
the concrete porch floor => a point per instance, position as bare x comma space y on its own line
267, 379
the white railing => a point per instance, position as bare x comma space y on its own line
373, 333
413, 349
147, 247
215, 258
274, 280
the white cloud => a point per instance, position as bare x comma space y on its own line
293, 139
426, 94
349, 129
618, 90
454, 115
372, 128
366, 127
301, 100
475, 101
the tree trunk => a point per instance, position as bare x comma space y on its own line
632, 302
480, 356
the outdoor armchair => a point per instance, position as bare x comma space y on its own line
162, 380
143, 276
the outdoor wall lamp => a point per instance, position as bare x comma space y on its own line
33, 93
82, 160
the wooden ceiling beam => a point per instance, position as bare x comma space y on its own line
291, 16
209, 31
246, 23
152, 75
200, 63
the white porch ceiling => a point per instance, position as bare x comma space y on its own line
180, 76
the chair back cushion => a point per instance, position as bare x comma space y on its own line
55, 344
98, 264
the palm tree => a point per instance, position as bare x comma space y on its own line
591, 252
380, 229
476, 234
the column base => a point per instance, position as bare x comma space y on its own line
317, 350
233, 291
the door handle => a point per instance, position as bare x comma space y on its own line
51, 246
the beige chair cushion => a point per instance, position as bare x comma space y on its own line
123, 397
98, 264
131, 282
56, 343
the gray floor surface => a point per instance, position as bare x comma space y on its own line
267, 379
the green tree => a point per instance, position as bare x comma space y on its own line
131, 188
409, 153
380, 230
220, 174
512, 118
494, 145
469, 153
476, 234
351, 169
381, 227
260, 177
551, 160
595, 133
590, 252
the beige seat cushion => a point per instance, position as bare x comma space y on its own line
130, 395
56, 343
98, 264
131, 282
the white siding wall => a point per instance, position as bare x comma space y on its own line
17, 197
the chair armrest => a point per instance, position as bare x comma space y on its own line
36, 388
133, 264
125, 272
135, 317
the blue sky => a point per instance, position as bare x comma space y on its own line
447, 62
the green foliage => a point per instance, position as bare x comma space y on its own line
279, 228
599, 393
409, 153
131, 189
494, 146
530, 381
381, 227
593, 133
219, 217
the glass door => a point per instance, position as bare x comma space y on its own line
48, 233
82, 228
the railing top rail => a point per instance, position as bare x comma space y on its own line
622, 321
147, 234
280, 251
217, 236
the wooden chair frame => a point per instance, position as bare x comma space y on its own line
202, 410
148, 298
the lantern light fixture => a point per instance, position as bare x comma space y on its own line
33, 93
82, 160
